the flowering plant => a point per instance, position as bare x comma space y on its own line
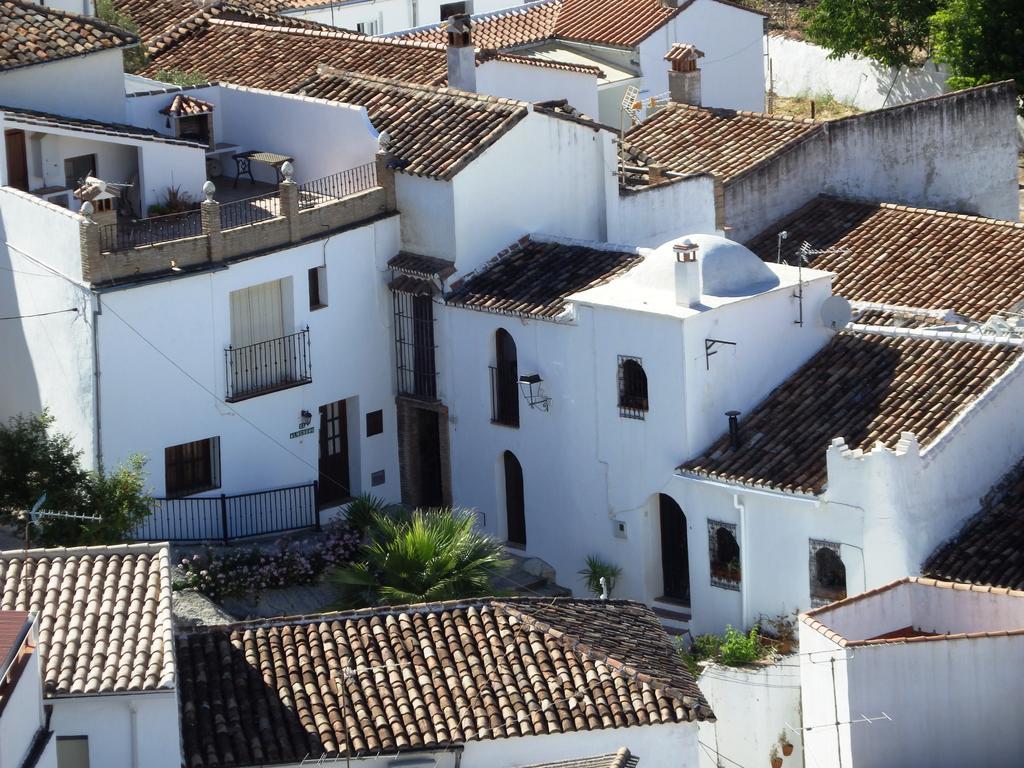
247, 571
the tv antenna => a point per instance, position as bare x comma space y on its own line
803, 256
37, 515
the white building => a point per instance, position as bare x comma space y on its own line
493, 682
628, 40
928, 662
105, 658
25, 738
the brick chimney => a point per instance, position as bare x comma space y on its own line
687, 274
683, 74
461, 53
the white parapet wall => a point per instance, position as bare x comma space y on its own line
754, 705
800, 68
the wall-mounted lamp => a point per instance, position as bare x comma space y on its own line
305, 417
530, 384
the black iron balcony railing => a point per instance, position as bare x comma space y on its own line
227, 517
126, 235
337, 185
252, 210
267, 366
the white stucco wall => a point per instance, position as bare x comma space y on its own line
22, 716
107, 720
188, 319
48, 360
428, 215
654, 215
89, 86
391, 14
801, 68
754, 705
532, 83
323, 137
545, 175
957, 153
913, 683
732, 70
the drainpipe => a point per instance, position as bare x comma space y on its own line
134, 713
96, 312
740, 507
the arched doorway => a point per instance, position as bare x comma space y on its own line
515, 502
675, 555
506, 385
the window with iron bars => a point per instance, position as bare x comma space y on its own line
633, 402
414, 344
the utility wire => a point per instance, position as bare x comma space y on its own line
40, 314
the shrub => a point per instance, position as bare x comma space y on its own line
738, 648
251, 571
597, 568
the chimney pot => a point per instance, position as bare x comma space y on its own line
461, 53
734, 429
684, 74
688, 287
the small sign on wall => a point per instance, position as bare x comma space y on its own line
301, 432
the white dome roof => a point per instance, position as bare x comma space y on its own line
730, 269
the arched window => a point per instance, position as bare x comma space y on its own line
828, 573
505, 380
515, 501
632, 388
724, 552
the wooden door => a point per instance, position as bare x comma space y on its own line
515, 501
507, 402
17, 160
675, 558
429, 456
333, 465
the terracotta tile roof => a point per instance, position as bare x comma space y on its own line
31, 34
863, 387
421, 266
31, 117
892, 254
103, 613
618, 23
682, 52
183, 105
12, 624
425, 676
434, 132
620, 759
273, 53
533, 277
990, 548
726, 143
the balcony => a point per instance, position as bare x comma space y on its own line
227, 226
267, 366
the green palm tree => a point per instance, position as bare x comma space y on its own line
427, 556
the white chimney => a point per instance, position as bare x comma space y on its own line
683, 74
461, 53
687, 274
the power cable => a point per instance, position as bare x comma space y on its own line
40, 314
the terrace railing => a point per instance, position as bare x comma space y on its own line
227, 517
126, 235
337, 185
267, 366
251, 210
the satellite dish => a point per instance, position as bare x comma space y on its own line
836, 312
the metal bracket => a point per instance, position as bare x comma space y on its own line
709, 349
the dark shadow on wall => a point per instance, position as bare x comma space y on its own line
19, 386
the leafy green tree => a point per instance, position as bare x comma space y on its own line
180, 77
982, 41
894, 32
134, 58
425, 556
35, 459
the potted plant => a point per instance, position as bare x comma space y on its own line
774, 754
596, 568
787, 746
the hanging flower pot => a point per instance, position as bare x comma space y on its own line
787, 747
774, 755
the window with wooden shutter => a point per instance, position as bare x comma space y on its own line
192, 467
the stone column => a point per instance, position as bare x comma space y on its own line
289, 194
210, 213
386, 178
89, 238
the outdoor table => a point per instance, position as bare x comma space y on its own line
244, 161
